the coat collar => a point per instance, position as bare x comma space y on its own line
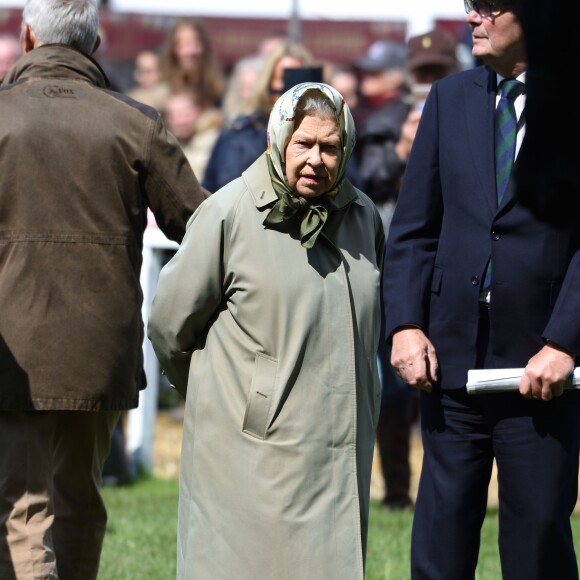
57, 61
258, 182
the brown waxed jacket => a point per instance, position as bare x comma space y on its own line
79, 166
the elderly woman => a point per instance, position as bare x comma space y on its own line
268, 316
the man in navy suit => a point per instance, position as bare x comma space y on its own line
443, 320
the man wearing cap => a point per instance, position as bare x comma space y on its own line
384, 107
430, 56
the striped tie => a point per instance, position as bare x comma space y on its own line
505, 133
505, 143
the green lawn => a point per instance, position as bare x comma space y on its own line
141, 536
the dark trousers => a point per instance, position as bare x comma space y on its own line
536, 447
399, 411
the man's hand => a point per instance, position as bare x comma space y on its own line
546, 373
414, 358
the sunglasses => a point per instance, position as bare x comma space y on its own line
485, 9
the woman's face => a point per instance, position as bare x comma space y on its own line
313, 156
182, 113
187, 46
277, 79
147, 70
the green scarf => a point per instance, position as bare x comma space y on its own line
313, 211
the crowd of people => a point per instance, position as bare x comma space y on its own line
351, 244
385, 90
239, 98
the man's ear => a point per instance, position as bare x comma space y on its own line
97, 44
27, 39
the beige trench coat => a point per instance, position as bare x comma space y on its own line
282, 390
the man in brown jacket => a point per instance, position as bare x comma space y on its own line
79, 167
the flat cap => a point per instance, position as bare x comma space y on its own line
382, 55
436, 47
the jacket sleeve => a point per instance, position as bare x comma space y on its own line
414, 231
563, 327
189, 294
172, 190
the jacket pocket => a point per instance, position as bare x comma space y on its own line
260, 400
436, 281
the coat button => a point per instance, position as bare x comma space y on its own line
475, 281
495, 236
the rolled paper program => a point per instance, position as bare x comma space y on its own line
486, 381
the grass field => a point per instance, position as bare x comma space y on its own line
141, 536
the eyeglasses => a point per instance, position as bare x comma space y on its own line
485, 9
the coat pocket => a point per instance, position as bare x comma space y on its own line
260, 400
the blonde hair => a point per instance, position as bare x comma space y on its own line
208, 79
261, 101
233, 103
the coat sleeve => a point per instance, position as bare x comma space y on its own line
189, 294
172, 190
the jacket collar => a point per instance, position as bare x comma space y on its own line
57, 61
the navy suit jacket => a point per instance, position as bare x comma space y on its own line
446, 226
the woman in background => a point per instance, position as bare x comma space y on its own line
188, 61
242, 141
195, 123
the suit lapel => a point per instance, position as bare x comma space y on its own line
480, 97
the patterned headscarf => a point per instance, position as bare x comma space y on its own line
313, 211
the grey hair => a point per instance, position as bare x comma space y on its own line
74, 23
315, 103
